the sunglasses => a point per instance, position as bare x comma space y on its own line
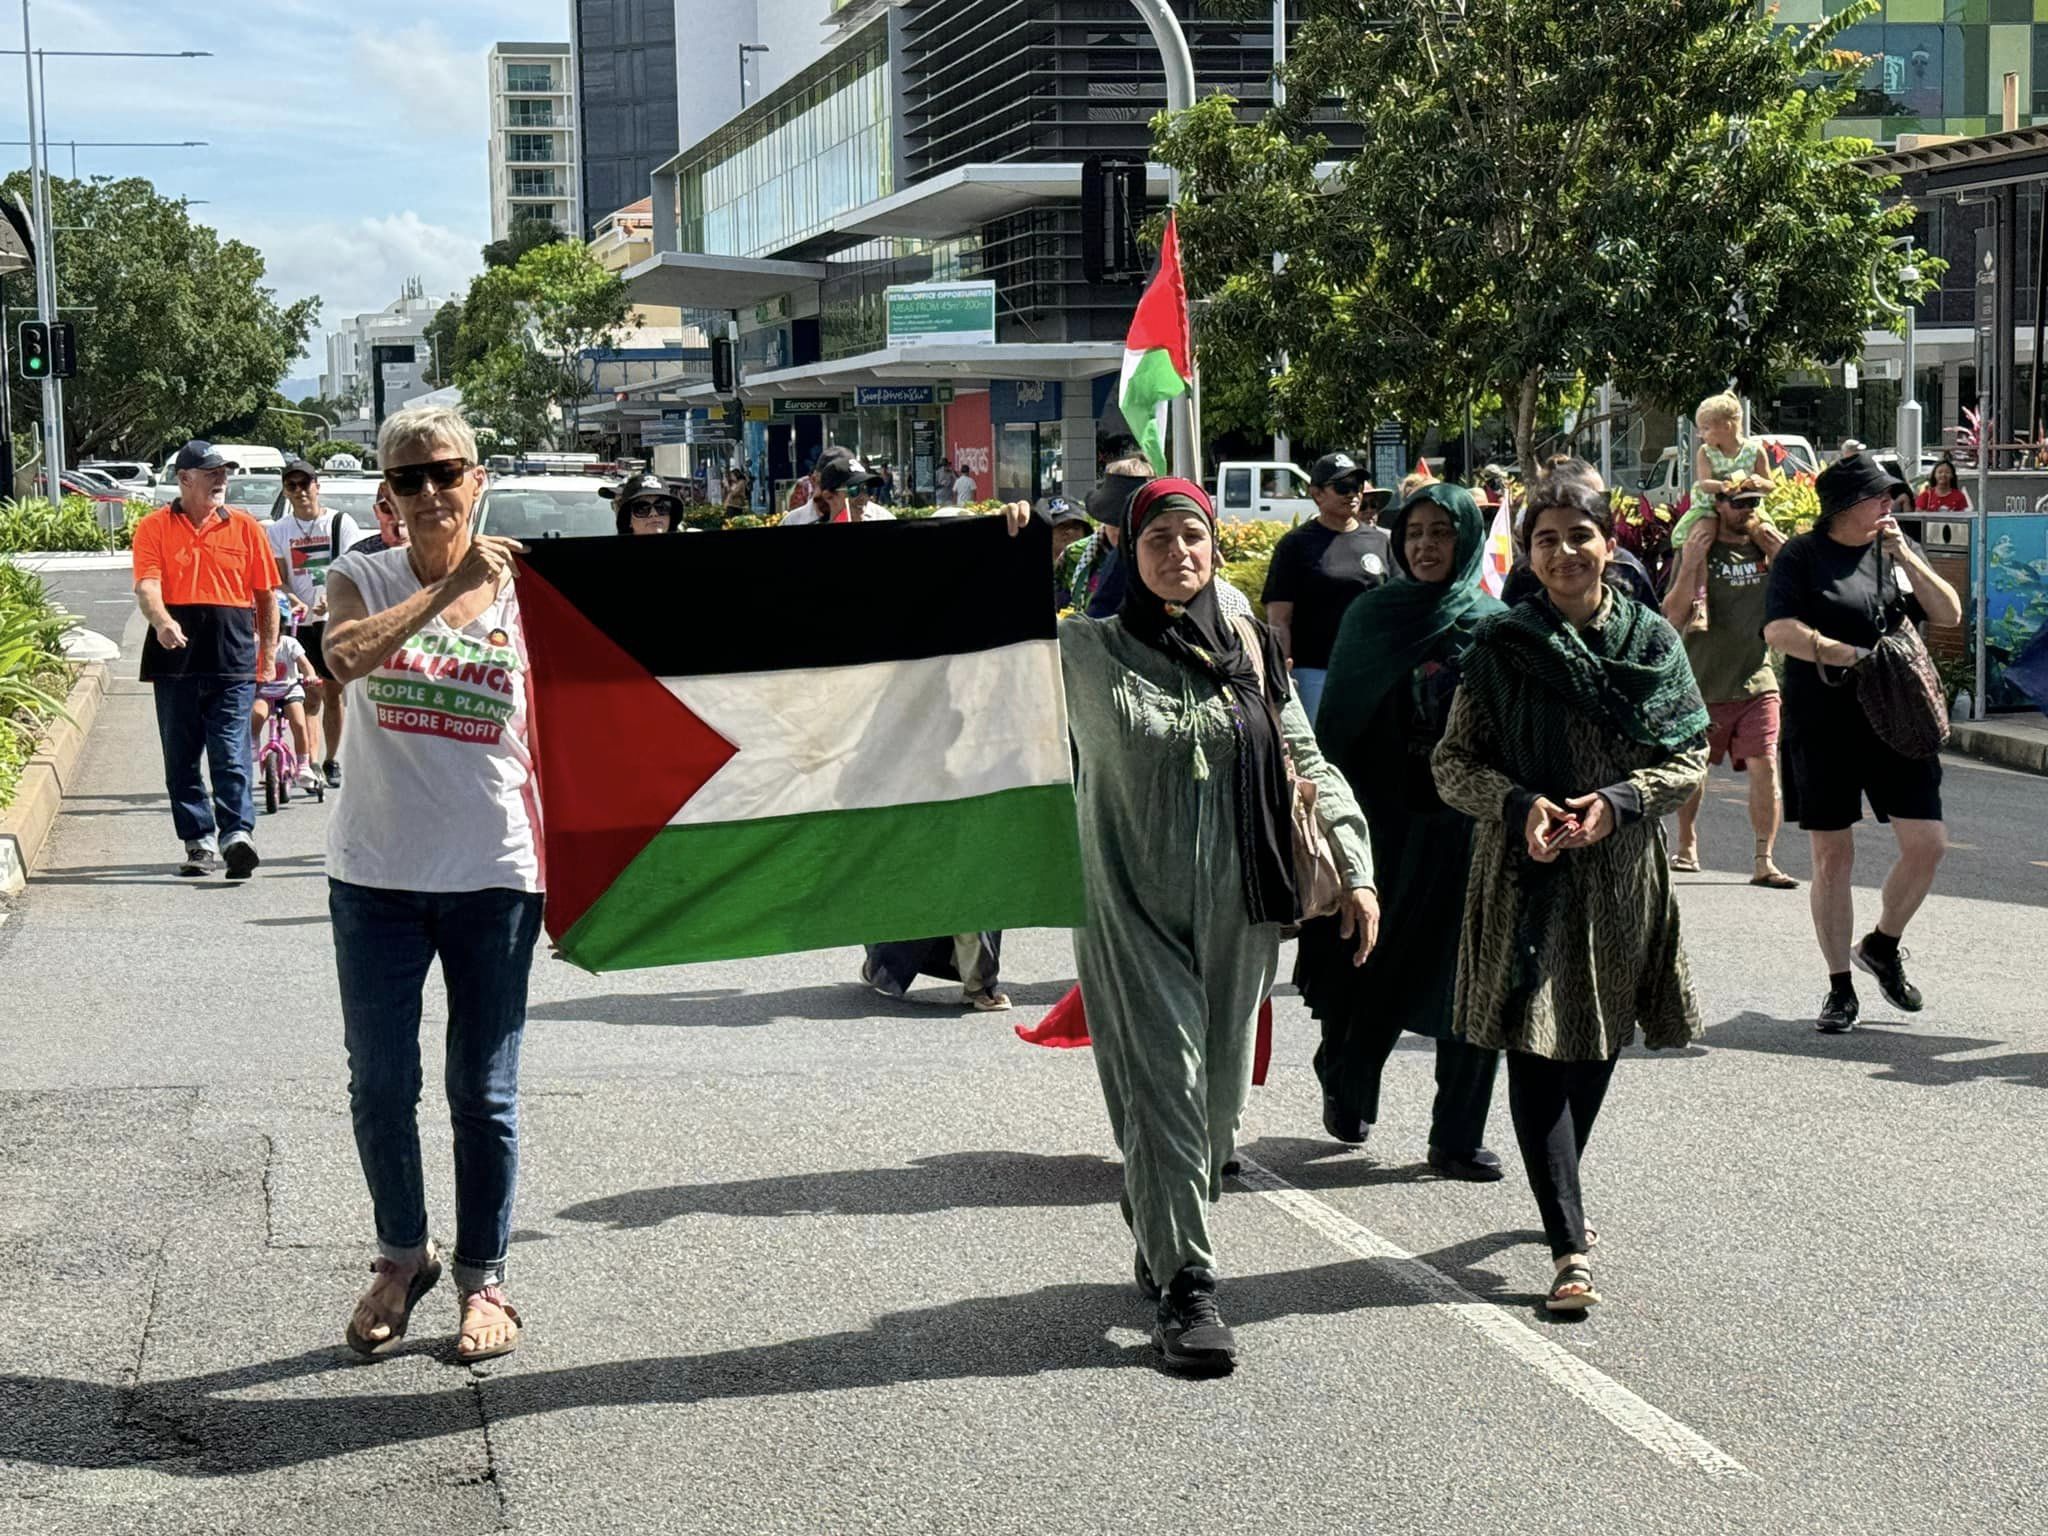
643, 511
1344, 487
298, 483
411, 479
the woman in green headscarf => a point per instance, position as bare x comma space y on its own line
1577, 727
1393, 674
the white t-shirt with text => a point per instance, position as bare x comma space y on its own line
307, 549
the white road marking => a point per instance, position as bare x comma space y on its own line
1649, 1426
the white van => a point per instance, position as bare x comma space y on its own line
250, 458
1250, 491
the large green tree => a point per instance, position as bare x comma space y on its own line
176, 330
1546, 191
525, 334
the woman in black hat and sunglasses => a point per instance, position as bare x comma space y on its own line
1833, 592
645, 505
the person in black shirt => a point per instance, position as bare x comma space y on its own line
1832, 593
1319, 567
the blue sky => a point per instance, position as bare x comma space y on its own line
346, 136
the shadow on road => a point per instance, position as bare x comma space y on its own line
203, 1426
1901, 1054
1317, 1164
948, 1181
165, 872
732, 1008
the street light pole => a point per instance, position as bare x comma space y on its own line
745, 49
1283, 450
1172, 43
46, 299
42, 128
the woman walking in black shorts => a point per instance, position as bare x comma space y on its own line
1831, 593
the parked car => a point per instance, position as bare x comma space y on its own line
254, 494
132, 475
1669, 481
528, 507
96, 487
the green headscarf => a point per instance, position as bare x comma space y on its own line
1627, 671
1393, 629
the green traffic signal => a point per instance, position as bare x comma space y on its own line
33, 364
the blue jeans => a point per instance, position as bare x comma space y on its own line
209, 717
1308, 687
384, 943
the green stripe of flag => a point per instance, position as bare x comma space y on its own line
1149, 381
734, 889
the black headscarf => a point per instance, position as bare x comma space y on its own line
1200, 638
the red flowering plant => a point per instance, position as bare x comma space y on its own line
1644, 530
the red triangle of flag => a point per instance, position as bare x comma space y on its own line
618, 754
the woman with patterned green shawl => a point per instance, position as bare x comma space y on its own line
1577, 727
1393, 674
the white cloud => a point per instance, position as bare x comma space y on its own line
361, 266
421, 82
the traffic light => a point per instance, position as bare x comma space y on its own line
1112, 208
724, 376
63, 349
34, 351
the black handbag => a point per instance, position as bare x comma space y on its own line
1896, 684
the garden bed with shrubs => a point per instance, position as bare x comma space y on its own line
34, 676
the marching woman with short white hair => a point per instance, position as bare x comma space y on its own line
434, 854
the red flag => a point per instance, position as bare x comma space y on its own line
1065, 1028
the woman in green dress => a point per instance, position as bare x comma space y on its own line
1577, 727
1393, 675
1184, 725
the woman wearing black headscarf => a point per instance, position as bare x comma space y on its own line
1394, 670
1184, 724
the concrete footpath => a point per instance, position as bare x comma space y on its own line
2011, 741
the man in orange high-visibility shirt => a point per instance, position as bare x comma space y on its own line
206, 581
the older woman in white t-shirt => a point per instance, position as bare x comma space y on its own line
434, 853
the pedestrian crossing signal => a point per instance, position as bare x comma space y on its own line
63, 349
35, 350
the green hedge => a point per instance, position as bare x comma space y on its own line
34, 676
32, 526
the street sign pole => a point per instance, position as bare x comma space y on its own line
1186, 411
46, 300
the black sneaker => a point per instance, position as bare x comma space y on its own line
199, 858
1342, 1124
333, 771
1837, 1014
1890, 972
239, 853
1479, 1166
1191, 1335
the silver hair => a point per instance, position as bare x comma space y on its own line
419, 425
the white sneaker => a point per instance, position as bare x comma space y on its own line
310, 780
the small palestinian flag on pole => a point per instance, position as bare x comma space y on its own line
1159, 356
763, 741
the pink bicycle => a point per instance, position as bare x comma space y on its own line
277, 760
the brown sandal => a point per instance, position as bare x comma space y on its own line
1771, 877
373, 1331
476, 1322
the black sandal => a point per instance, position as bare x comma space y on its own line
424, 1279
1561, 1299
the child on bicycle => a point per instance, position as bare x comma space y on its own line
287, 689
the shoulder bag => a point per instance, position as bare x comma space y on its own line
1318, 881
1896, 684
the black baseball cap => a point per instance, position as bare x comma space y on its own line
838, 470
200, 454
1334, 466
1854, 478
298, 467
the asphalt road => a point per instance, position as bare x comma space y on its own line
797, 1259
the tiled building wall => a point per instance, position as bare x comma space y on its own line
1939, 66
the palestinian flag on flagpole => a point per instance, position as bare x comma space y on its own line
1159, 356
763, 741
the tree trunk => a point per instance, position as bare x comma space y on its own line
1525, 424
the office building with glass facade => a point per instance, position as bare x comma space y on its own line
623, 65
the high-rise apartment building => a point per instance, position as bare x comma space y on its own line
623, 63
532, 149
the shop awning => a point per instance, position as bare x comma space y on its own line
692, 280
959, 202
1065, 362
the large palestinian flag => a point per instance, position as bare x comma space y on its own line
1159, 354
761, 741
